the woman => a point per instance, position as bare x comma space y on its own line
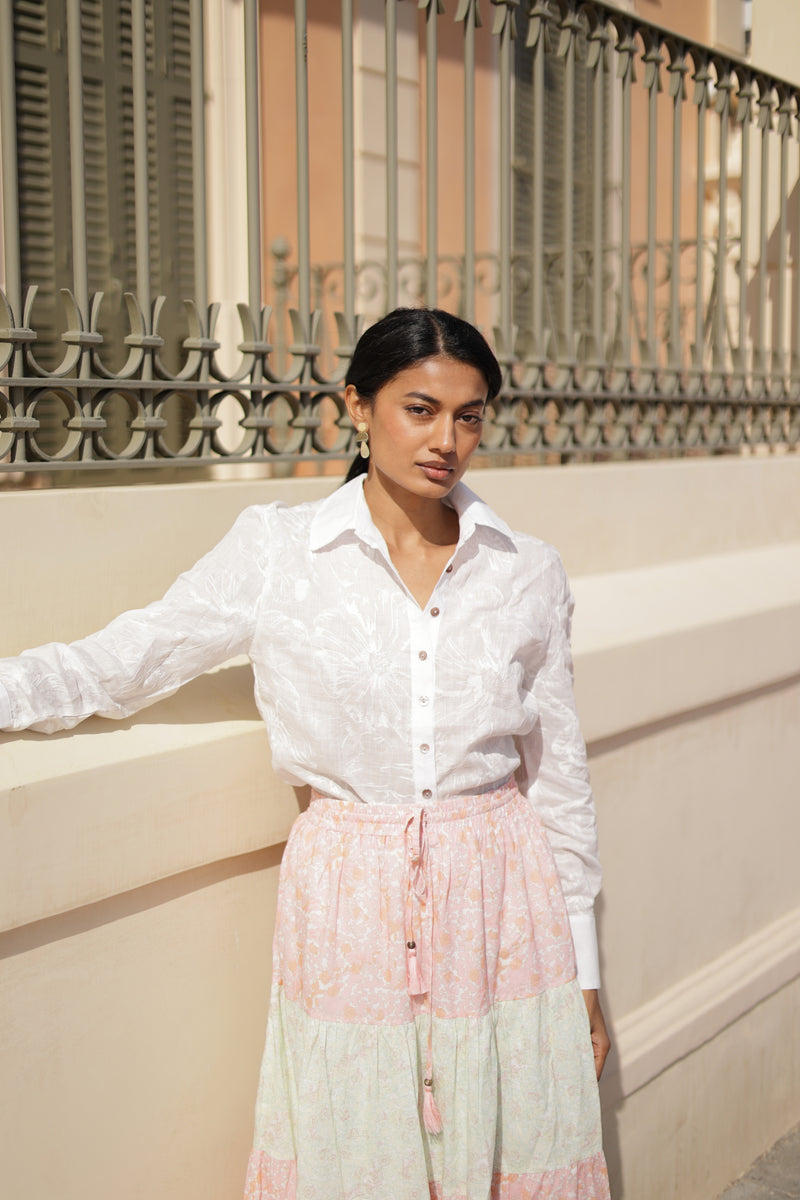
428, 1031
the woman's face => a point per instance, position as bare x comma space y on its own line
424, 424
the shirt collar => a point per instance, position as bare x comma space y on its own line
473, 513
346, 511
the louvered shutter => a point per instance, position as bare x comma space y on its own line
43, 151
553, 228
522, 170
43, 156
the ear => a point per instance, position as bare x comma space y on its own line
358, 408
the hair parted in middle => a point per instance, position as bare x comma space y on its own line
407, 336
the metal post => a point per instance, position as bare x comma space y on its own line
77, 179
675, 347
652, 192
348, 164
537, 198
468, 299
779, 354
722, 232
745, 99
252, 146
760, 343
625, 227
700, 202
504, 166
140, 156
568, 166
199, 157
303, 199
80, 262
8, 145
391, 155
796, 330
598, 180
431, 153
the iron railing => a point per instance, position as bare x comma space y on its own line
655, 310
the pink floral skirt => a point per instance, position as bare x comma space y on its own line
427, 1039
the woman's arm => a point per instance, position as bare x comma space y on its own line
554, 775
205, 618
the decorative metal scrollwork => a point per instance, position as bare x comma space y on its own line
660, 337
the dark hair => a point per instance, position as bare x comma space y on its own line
407, 336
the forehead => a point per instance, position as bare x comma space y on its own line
443, 379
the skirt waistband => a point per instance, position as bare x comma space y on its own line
383, 816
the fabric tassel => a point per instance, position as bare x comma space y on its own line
415, 987
431, 1117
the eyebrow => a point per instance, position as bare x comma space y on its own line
438, 403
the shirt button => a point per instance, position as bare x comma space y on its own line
427, 793
423, 700
434, 612
423, 654
424, 748
449, 569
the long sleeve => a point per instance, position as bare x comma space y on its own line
555, 777
206, 617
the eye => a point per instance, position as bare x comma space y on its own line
417, 410
472, 418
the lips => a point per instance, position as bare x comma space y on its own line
437, 471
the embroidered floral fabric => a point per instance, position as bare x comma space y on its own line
500, 1026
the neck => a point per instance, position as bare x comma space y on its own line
404, 519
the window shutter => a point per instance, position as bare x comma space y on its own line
44, 173
553, 209
522, 168
42, 152
92, 28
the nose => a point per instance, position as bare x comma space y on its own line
443, 434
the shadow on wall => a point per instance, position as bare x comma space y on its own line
768, 339
138, 900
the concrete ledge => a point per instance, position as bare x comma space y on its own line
668, 639
704, 1119
116, 805
139, 900
683, 1017
189, 781
83, 555
605, 517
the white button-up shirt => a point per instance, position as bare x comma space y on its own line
366, 696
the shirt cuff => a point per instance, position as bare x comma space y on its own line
584, 939
6, 717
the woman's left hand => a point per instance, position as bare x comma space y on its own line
601, 1043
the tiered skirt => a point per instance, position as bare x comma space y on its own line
427, 1038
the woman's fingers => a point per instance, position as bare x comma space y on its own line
601, 1042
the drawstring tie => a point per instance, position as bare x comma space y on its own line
420, 981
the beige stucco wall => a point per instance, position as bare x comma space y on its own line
138, 860
774, 38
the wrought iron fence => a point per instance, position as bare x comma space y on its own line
638, 275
